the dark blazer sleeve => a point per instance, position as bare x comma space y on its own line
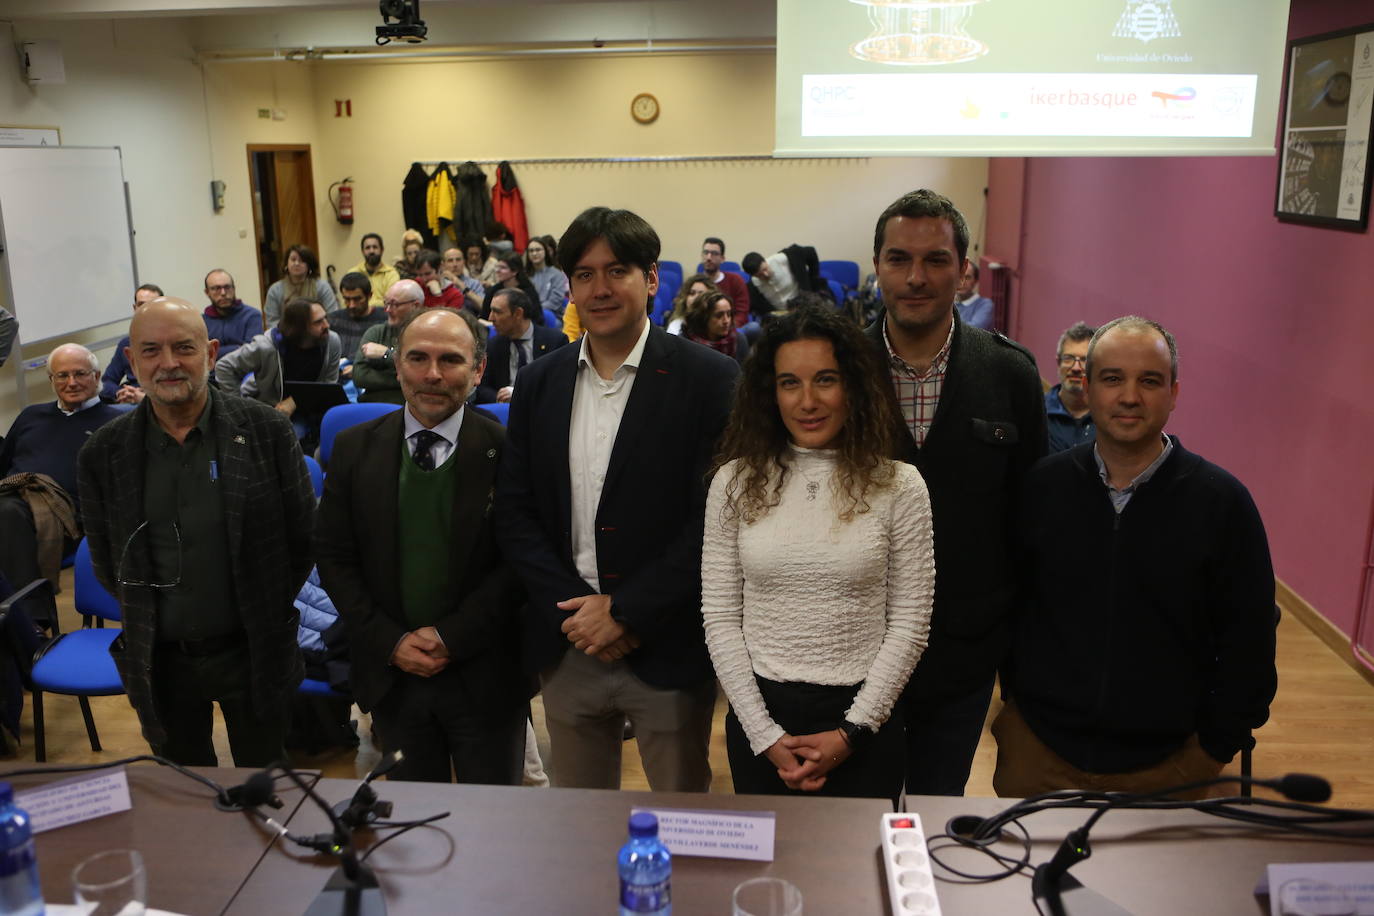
90, 462
347, 544
497, 375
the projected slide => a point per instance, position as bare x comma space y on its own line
1016, 77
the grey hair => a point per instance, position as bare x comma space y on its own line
95, 361
1136, 323
1078, 332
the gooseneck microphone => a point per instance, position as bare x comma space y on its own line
365, 808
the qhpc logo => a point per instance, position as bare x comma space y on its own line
1147, 20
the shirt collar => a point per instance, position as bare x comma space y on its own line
584, 357
447, 430
529, 332
87, 404
940, 358
1140, 478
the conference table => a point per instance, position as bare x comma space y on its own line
534, 851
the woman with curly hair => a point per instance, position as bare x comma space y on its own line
711, 323
687, 293
817, 571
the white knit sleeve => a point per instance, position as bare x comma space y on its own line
722, 611
910, 592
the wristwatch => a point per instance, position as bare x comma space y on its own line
856, 735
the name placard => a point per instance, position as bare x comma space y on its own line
716, 834
74, 800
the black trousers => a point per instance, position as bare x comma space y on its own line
445, 734
187, 686
874, 771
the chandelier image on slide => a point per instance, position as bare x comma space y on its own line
918, 32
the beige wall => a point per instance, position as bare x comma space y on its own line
135, 84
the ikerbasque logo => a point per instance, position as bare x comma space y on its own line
1147, 20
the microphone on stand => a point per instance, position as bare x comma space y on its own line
365, 808
1057, 893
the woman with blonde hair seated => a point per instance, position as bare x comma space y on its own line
691, 288
412, 243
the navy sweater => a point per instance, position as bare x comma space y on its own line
43, 440
1141, 629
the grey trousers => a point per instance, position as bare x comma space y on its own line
586, 703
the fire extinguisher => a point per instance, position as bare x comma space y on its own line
343, 207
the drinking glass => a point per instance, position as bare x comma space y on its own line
767, 897
111, 883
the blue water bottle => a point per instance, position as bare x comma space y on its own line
20, 892
646, 869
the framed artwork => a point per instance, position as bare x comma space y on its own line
1324, 173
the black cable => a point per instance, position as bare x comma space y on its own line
410, 826
1012, 865
84, 767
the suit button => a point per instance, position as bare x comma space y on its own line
999, 433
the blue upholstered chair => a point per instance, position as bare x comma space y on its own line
78, 663
500, 411
337, 419
316, 475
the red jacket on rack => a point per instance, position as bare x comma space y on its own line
508, 206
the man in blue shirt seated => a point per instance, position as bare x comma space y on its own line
1066, 404
44, 439
118, 385
974, 309
227, 319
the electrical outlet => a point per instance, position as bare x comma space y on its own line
278, 114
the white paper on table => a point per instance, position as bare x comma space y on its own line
1354, 879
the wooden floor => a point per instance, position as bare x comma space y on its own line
1322, 722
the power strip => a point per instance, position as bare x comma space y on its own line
910, 883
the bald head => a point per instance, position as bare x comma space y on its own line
171, 353
402, 299
73, 371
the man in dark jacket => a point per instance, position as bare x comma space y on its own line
518, 342
1147, 665
975, 423
198, 509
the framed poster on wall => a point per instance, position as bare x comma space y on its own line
1324, 172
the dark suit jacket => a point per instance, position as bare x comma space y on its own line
989, 428
498, 376
269, 507
649, 521
357, 545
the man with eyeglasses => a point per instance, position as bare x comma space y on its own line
198, 512
44, 439
1066, 404
227, 319
374, 365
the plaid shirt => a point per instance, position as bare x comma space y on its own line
919, 395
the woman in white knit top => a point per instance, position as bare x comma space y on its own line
817, 570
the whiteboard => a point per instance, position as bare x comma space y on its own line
68, 252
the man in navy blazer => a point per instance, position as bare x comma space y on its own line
599, 506
518, 342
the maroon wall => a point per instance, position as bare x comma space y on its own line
1275, 322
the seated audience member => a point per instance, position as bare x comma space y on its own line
572, 325
481, 263
710, 322
118, 385
1146, 660
712, 256
549, 282
1066, 404
380, 275
412, 243
974, 309
374, 365
302, 281
36, 523
455, 269
817, 574
690, 290
356, 316
518, 343
510, 274
227, 319
499, 239
301, 348
779, 277
439, 290
9, 327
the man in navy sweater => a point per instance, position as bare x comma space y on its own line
227, 319
44, 439
1148, 663
118, 384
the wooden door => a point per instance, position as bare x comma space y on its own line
283, 189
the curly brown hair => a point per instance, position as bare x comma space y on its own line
756, 435
682, 300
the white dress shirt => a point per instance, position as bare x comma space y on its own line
598, 405
447, 431
86, 405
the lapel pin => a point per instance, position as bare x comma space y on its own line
491, 453
240, 440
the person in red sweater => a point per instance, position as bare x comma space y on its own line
439, 290
731, 284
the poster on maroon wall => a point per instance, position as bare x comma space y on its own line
1324, 174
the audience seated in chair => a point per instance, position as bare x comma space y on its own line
518, 343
